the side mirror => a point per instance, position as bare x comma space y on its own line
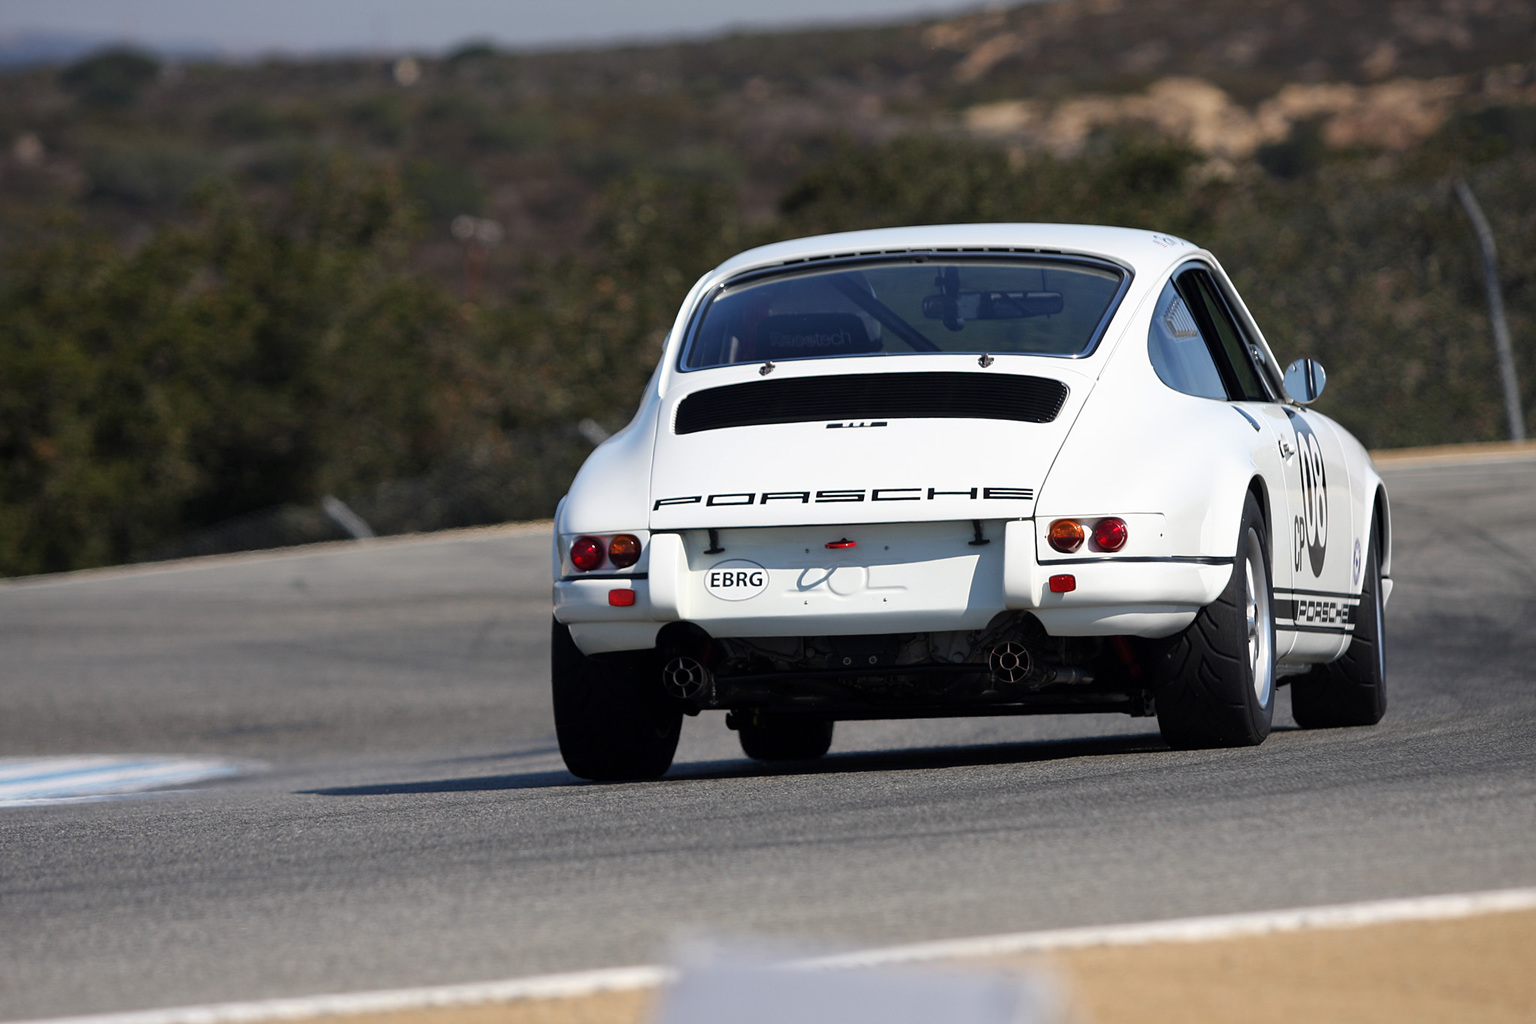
1304, 380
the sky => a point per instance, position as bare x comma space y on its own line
248, 27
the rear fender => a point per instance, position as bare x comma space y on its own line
612, 491
1138, 446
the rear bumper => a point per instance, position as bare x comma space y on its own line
899, 578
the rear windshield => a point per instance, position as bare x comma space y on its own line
1027, 306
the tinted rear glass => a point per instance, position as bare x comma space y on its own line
1035, 307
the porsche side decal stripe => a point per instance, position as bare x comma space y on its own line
1186, 559
1315, 629
1314, 612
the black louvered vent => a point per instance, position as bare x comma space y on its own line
873, 396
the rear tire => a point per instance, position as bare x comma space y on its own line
1216, 680
1352, 690
612, 718
786, 739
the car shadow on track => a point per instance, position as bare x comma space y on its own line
974, 756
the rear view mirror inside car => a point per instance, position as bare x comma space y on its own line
991, 305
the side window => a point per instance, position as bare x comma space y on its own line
1231, 348
1179, 352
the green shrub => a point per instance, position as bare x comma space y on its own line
111, 78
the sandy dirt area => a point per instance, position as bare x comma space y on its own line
1480, 969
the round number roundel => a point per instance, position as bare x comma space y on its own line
1314, 494
735, 579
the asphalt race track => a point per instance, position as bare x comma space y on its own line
403, 818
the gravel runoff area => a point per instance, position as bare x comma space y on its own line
1475, 969
1464, 958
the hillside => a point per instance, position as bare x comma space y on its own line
527, 138
230, 290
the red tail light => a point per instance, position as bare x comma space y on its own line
1066, 535
1063, 584
587, 553
1110, 534
624, 550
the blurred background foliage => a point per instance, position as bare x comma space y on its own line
227, 292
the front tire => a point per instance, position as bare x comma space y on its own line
785, 739
1352, 690
1216, 680
612, 718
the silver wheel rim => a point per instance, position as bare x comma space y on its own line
1381, 645
1261, 663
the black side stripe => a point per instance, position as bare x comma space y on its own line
1317, 593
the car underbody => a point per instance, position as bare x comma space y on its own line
1012, 667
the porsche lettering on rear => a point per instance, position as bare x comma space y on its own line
835, 495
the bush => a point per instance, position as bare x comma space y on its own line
147, 175
257, 358
111, 78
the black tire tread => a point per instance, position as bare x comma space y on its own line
1204, 698
1350, 691
612, 720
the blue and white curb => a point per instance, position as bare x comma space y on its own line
31, 781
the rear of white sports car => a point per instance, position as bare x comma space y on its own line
836, 502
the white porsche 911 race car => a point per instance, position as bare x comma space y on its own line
988, 469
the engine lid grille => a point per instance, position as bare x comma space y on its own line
873, 396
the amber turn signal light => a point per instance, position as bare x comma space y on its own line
624, 550
1066, 535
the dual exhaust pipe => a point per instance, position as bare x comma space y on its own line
1012, 665
687, 678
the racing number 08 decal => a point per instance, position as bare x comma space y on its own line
1312, 524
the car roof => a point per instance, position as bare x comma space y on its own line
1141, 251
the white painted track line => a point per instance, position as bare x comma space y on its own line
1201, 929
30, 781
617, 979
550, 986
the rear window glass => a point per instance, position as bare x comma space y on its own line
1035, 307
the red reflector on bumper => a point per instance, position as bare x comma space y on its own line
837, 545
621, 598
1063, 584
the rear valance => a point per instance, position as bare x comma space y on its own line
873, 396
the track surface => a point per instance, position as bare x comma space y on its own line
413, 824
